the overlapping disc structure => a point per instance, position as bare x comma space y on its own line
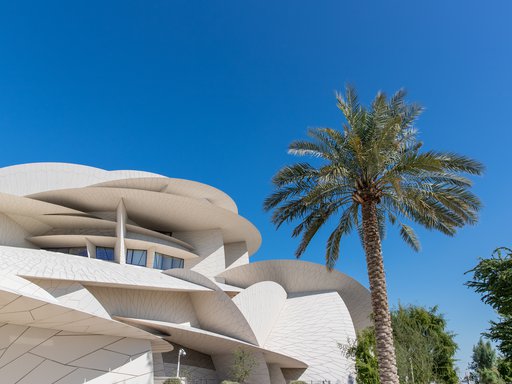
105, 275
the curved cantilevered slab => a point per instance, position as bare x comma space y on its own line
40, 309
25, 179
159, 211
83, 222
180, 187
35, 263
24, 206
211, 343
300, 276
215, 311
59, 240
261, 304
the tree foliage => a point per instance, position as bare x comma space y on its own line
485, 367
424, 348
243, 365
365, 354
492, 279
505, 370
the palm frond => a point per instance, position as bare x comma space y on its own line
409, 236
376, 157
344, 227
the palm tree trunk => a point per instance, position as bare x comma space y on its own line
382, 319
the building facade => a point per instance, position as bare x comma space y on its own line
106, 275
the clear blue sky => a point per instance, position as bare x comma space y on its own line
215, 90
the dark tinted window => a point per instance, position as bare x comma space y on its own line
105, 253
164, 262
78, 251
136, 257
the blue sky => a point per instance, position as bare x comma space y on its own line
214, 91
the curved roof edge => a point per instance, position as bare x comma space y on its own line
33, 178
30, 178
297, 276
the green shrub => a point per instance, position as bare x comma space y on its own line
229, 382
173, 380
297, 382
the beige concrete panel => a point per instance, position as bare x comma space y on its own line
82, 221
299, 276
23, 343
209, 246
236, 254
14, 286
175, 307
45, 356
130, 347
217, 313
170, 242
178, 187
230, 290
310, 328
9, 333
81, 374
25, 179
12, 233
30, 311
193, 277
30, 224
65, 349
20, 367
136, 230
138, 366
24, 206
199, 279
102, 359
276, 375
74, 295
47, 372
261, 305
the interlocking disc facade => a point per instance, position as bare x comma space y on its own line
106, 275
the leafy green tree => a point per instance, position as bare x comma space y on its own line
371, 173
365, 357
424, 348
492, 279
505, 369
484, 367
243, 365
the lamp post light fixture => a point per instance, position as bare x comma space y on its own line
181, 352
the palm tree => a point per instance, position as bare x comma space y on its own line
370, 174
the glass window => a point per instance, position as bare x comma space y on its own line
136, 257
164, 262
78, 251
105, 253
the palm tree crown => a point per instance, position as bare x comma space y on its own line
375, 158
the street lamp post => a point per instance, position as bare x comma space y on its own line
180, 353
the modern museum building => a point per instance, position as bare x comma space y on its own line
106, 275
